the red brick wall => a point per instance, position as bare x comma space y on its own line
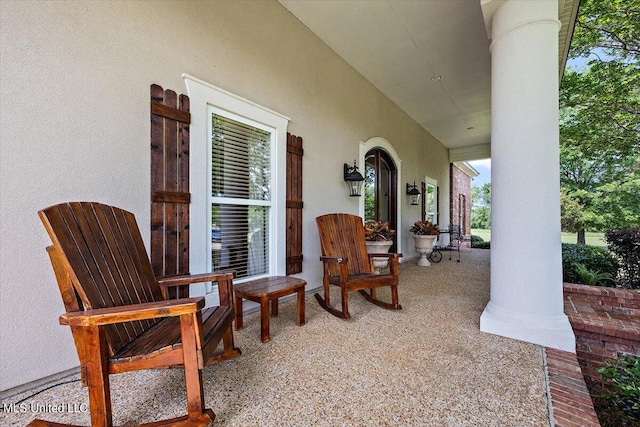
571, 404
605, 321
460, 184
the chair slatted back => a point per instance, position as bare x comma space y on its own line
103, 253
342, 235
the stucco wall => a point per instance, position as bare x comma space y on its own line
74, 82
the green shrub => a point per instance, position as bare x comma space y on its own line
593, 258
624, 374
481, 245
476, 239
625, 243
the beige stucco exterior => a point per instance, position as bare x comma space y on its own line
74, 82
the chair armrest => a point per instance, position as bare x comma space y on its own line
343, 264
196, 278
127, 313
224, 279
334, 259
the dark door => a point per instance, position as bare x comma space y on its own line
380, 198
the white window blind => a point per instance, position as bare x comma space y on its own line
241, 155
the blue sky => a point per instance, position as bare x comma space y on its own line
484, 168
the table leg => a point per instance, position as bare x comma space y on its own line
238, 310
301, 314
274, 307
264, 319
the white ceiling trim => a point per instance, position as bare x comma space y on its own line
464, 154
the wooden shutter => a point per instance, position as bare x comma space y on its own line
170, 195
294, 204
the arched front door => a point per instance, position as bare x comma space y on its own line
380, 195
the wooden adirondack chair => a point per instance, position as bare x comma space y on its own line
347, 264
118, 312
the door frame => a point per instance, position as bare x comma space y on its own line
379, 142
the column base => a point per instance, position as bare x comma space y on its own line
554, 332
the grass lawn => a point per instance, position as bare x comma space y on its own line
592, 238
595, 239
485, 234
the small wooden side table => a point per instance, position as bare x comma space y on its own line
264, 290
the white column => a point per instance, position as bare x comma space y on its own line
526, 262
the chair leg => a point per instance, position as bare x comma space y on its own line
394, 296
230, 350
97, 375
196, 412
345, 302
327, 292
326, 301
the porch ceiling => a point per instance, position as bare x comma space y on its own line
431, 58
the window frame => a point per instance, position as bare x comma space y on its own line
202, 95
381, 143
212, 110
381, 158
433, 183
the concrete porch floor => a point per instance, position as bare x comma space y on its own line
426, 365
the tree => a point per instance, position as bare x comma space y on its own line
610, 26
600, 119
572, 214
481, 206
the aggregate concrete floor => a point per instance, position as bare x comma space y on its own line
425, 365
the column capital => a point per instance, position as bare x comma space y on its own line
489, 8
503, 16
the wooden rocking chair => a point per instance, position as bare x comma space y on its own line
347, 265
119, 314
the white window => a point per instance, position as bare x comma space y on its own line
241, 188
237, 216
431, 200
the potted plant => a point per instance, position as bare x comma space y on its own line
425, 234
379, 239
424, 228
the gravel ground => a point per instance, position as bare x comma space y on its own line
425, 365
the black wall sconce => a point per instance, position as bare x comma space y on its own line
413, 193
354, 179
